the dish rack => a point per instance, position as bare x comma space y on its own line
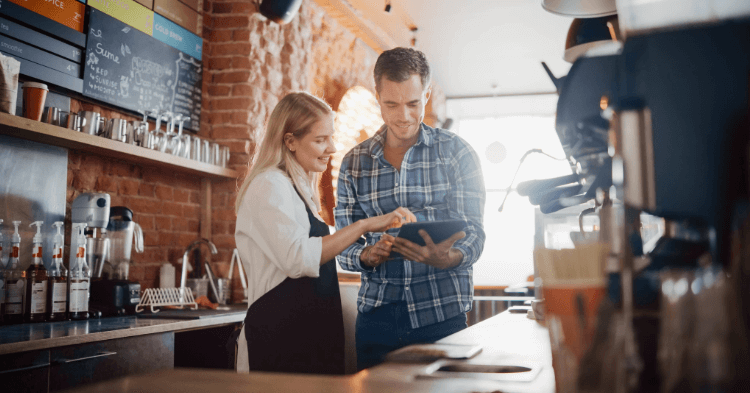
160, 297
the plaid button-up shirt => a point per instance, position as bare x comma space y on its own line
440, 179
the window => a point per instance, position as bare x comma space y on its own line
501, 130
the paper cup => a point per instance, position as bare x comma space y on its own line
571, 310
34, 96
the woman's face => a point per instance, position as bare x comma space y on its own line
313, 151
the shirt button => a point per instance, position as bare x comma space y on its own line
407, 288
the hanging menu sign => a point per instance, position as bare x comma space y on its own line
131, 69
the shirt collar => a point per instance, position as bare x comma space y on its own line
427, 136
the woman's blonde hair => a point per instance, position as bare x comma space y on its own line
295, 114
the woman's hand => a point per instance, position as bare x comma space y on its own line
393, 219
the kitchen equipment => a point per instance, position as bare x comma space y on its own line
93, 122
53, 115
111, 291
76, 122
122, 233
117, 129
198, 286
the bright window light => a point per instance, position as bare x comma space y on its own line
501, 141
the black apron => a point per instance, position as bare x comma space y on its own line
298, 326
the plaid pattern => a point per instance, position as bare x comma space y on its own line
440, 179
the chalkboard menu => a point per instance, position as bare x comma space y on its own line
130, 69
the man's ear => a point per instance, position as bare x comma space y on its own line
427, 94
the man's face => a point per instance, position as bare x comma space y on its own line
402, 107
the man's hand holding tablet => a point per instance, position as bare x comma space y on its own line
430, 242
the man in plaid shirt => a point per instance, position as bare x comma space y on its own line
424, 295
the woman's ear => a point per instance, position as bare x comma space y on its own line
289, 142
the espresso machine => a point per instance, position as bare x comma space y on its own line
658, 125
112, 293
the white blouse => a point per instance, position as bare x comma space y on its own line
273, 239
273, 234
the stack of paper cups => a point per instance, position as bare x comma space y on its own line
9, 69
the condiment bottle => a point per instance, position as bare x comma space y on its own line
15, 282
78, 275
57, 284
35, 309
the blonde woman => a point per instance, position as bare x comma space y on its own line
294, 321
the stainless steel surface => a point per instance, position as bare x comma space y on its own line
92, 124
76, 122
28, 337
638, 158
117, 129
33, 188
190, 248
53, 116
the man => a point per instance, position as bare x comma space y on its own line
424, 295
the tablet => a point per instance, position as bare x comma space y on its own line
438, 231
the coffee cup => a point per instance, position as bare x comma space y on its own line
34, 96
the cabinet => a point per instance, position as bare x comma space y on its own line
68, 367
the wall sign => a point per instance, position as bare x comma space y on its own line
131, 69
66, 12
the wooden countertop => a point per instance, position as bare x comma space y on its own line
35, 336
506, 339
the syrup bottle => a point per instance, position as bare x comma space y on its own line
57, 284
78, 276
15, 282
35, 309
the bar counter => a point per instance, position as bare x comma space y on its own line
45, 335
506, 339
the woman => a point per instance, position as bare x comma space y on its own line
294, 322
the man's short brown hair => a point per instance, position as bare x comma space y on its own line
399, 64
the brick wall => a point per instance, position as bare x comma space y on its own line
250, 63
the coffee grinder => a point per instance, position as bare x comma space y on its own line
111, 291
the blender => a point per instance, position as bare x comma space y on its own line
112, 293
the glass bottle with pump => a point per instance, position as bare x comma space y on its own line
57, 284
2, 278
79, 275
35, 308
15, 282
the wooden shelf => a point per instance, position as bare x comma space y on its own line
23, 128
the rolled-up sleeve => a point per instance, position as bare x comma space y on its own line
467, 200
346, 213
270, 216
